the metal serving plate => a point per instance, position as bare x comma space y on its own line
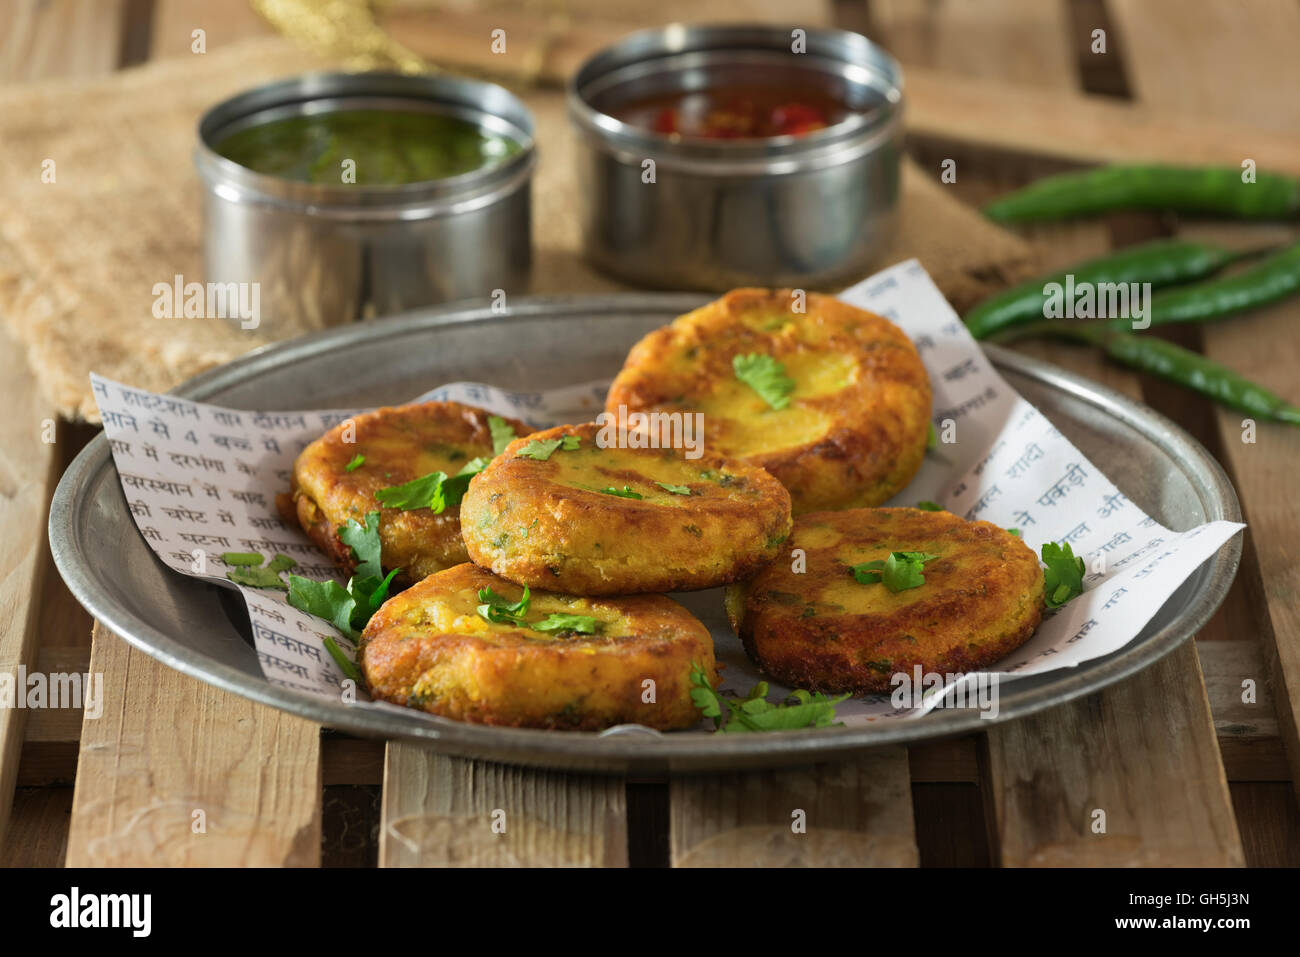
195, 627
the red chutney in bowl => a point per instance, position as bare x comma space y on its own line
736, 111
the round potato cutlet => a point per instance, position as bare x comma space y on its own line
431, 648
397, 445
591, 520
823, 630
854, 429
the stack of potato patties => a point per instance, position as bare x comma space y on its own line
537, 563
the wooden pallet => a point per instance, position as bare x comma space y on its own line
1010, 89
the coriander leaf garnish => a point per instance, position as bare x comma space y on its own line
327, 599
348, 668
503, 433
899, 572
765, 376
559, 622
675, 489
1063, 576
358, 460
364, 542
246, 570
932, 438
541, 449
755, 713
435, 491
625, 492
1014, 531
928, 506
501, 610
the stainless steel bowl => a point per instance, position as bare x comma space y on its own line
327, 254
806, 211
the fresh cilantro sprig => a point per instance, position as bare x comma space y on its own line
436, 491
248, 570
503, 433
624, 492
348, 608
755, 713
1063, 576
928, 506
561, 622
358, 460
541, 449
899, 572
765, 376
674, 489
503, 611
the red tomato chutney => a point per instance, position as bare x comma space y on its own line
751, 110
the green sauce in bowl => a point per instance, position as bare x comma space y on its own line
389, 147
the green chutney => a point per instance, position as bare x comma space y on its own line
388, 147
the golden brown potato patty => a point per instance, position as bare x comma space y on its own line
855, 427
397, 445
429, 648
823, 630
615, 521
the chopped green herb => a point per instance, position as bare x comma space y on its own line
899, 572
625, 492
932, 438
1014, 531
755, 713
675, 489
557, 622
347, 667
242, 558
928, 506
358, 460
541, 449
247, 572
503, 433
1063, 576
435, 491
348, 608
765, 376
501, 610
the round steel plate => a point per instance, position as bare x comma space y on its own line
195, 626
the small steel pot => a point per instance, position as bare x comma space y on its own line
808, 210
328, 254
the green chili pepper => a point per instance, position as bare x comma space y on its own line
1173, 363
1217, 191
1162, 263
1271, 279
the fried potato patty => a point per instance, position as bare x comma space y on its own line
822, 630
593, 520
855, 427
396, 446
430, 648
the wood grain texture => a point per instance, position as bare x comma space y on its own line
26, 476
56, 38
440, 811
1142, 752
167, 748
39, 835
854, 814
1259, 39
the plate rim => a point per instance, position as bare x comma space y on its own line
70, 510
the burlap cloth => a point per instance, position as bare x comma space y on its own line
79, 257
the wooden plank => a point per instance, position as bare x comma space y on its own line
179, 773
1168, 72
26, 476
1142, 754
440, 811
39, 836
857, 813
1080, 129
37, 39
58, 38
174, 23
